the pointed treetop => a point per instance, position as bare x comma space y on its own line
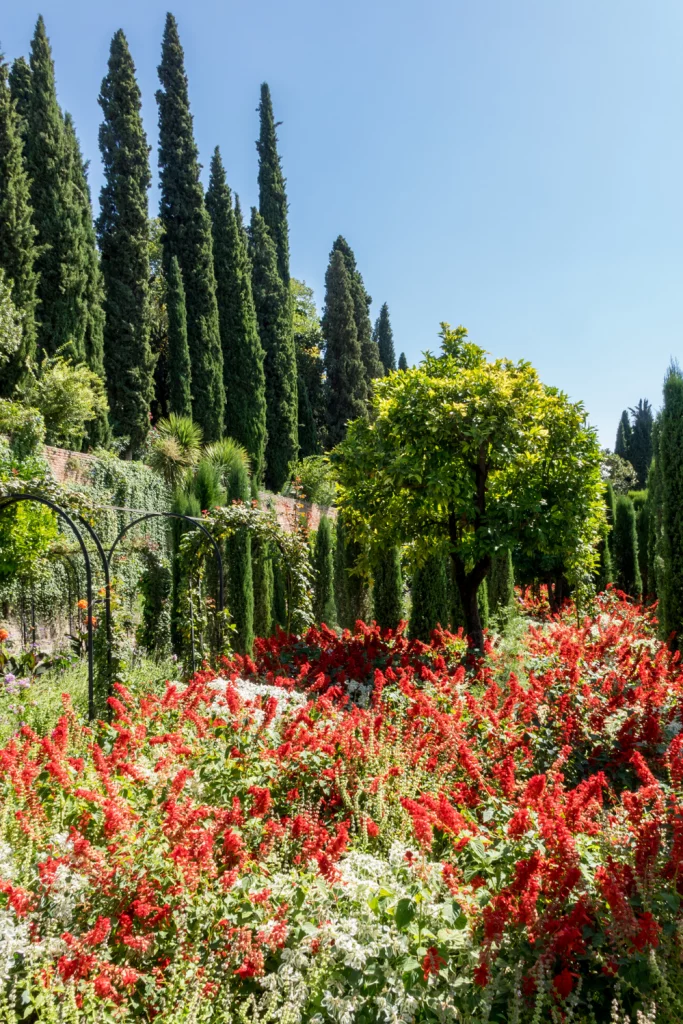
20, 86
384, 337
402, 361
271, 181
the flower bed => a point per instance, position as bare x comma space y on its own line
386, 835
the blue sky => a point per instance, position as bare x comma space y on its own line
513, 166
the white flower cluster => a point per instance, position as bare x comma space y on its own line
287, 700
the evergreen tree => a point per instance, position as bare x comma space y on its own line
483, 603
273, 311
271, 184
622, 445
20, 87
187, 234
17, 235
611, 505
654, 516
352, 594
243, 357
670, 593
324, 608
179, 368
641, 440
605, 573
346, 391
430, 598
239, 560
279, 616
388, 589
123, 233
402, 361
369, 352
501, 584
262, 571
308, 343
62, 264
642, 511
384, 337
626, 570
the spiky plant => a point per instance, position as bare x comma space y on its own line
176, 448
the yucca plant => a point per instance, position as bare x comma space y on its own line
176, 448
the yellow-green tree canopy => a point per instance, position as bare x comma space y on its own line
478, 452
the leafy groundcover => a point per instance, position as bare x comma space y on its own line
359, 829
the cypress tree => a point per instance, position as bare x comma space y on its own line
626, 570
641, 440
17, 234
501, 584
324, 609
271, 184
123, 234
369, 352
279, 616
308, 343
402, 361
352, 594
642, 511
670, 610
611, 505
605, 573
384, 336
654, 533
346, 391
273, 311
243, 357
20, 87
187, 234
179, 368
239, 560
388, 589
429, 593
57, 216
262, 571
622, 445
483, 603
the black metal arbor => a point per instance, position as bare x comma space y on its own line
105, 560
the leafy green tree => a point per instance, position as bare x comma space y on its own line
187, 234
324, 608
402, 361
501, 583
641, 440
446, 445
308, 343
179, 366
622, 445
351, 591
626, 570
273, 311
17, 237
271, 184
69, 398
387, 592
369, 352
670, 588
384, 337
243, 356
346, 390
429, 593
123, 234
619, 472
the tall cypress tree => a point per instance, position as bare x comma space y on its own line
240, 569
641, 440
622, 445
388, 589
243, 357
670, 593
352, 594
361, 301
273, 311
654, 525
501, 584
17, 234
429, 593
611, 505
402, 361
346, 390
187, 234
271, 184
262, 571
179, 367
605, 573
626, 570
324, 607
123, 232
20, 87
57, 215
384, 336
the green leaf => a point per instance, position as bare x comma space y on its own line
404, 913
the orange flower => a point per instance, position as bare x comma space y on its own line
82, 605
3, 635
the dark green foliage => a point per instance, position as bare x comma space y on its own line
187, 234
62, 263
273, 311
622, 445
640, 453
456, 615
352, 594
501, 584
324, 608
158, 319
262, 571
346, 390
388, 589
279, 595
207, 487
605, 572
179, 368
611, 504
642, 510
430, 597
369, 352
308, 343
20, 86
654, 516
402, 361
123, 234
239, 564
670, 592
384, 337
626, 570
17, 234
483, 603
187, 505
243, 357
271, 184
155, 587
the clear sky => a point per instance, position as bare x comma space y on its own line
512, 165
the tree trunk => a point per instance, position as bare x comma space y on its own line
468, 586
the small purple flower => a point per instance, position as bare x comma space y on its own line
10, 679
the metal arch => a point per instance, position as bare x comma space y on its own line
107, 590
12, 499
192, 522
